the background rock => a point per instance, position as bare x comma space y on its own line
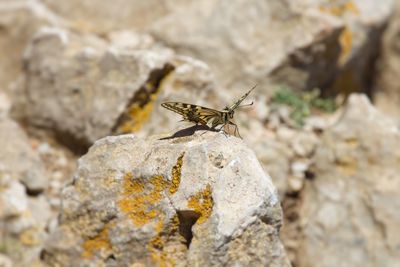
348, 213
387, 90
19, 20
145, 201
19, 159
302, 44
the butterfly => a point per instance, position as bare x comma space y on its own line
208, 116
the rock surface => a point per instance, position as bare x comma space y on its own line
19, 20
386, 93
86, 88
349, 211
19, 159
303, 44
197, 200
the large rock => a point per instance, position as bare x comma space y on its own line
386, 92
19, 20
23, 221
303, 44
201, 200
90, 15
86, 88
19, 159
349, 213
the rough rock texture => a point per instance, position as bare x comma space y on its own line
87, 88
18, 158
349, 213
89, 15
201, 200
387, 90
19, 20
22, 222
303, 44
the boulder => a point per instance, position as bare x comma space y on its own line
19, 20
90, 16
85, 88
302, 44
386, 93
198, 200
18, 158
348, 213
23, 220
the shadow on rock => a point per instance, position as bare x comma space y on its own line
189, 131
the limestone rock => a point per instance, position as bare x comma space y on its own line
19, 159
387, 91
5, 105
87, 88
90, 16
303, 44
349, 211
200, 200
19, 20
22, 220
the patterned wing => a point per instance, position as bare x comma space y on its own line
193, 113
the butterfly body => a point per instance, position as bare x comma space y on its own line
206, 116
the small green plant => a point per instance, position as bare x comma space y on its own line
303, 103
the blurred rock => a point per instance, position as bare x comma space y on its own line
92, 16
5, 261
5, 105
302, 44
19, 20
22, 222
349, 211
19, 159
85, 88
363, 24
386, 92
195, 200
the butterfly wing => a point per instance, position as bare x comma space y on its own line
193, 113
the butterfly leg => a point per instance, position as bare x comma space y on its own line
236, 129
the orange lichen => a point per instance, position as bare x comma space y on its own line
137, 116
346, 43
29, 237
202, 203
139, 204
157, 244
131, 185
100, 242
339, 9
176, 175
346, 37
139, 110
347, 165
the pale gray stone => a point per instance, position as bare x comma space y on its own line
349, 211
145, 200
18, 158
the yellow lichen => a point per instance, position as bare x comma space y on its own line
100, 242
176, 175
139, 110
157, 245
339, 9
346, 43
347, 165
139, 204
29, 237
137, 116
202, 203
346, 37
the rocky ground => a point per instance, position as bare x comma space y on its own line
94, 172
